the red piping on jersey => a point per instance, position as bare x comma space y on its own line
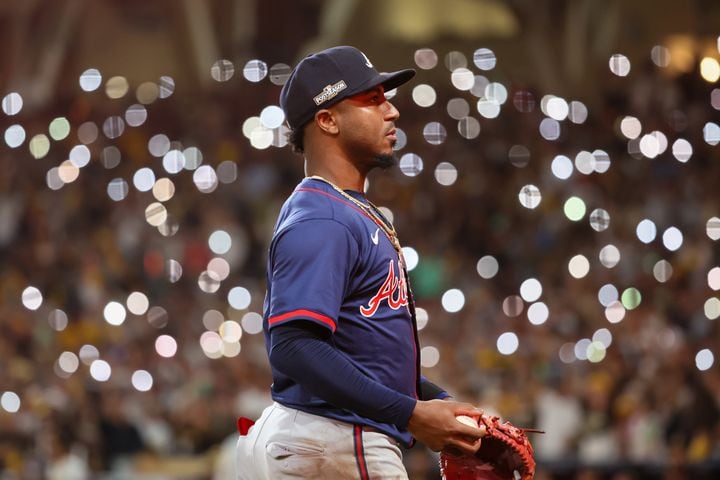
354, 207
303, 313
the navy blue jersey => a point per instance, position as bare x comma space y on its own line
331, 264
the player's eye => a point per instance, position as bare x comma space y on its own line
378, 98
373, 97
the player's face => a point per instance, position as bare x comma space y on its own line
367, 128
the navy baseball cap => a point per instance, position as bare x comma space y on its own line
324, 78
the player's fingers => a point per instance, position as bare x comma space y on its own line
465, 445
471, 412
470, 426
468, 409
471, 431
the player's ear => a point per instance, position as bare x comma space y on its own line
326, 120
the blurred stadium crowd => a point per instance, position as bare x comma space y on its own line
644, 411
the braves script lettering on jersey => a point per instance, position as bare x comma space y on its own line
328, 264
393, 291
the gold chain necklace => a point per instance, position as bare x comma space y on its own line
371, 210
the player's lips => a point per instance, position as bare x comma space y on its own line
392, 134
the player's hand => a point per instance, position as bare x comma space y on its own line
434, 423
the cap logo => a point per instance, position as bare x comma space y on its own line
367, 60
330, 91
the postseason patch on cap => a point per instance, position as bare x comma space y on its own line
329, 92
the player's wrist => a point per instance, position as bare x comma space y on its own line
409, 407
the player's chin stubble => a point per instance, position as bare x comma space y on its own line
385, 161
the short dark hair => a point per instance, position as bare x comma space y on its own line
296, 139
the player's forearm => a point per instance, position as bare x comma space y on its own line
313, 363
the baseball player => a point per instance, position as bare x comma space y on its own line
339, 316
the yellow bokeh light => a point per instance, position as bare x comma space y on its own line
710, 69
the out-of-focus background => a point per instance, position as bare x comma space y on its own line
557, 197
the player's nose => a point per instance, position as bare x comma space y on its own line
390, 112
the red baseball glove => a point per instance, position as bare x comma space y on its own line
505, 454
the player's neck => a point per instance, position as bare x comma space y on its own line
344, 176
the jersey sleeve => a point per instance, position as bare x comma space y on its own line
311, 265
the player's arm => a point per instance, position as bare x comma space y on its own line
302, 351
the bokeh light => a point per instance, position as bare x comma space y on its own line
615, 312
100, 370
411, 258
14, 136
32, 298
712, 228
222, 70
538, 313
662, 271
453, 300
252, 323
713, 278
646, 231
562, 167
166, 346
574, 208
142, 380
239, 298
429, 356
422, 318
446, 174
672, 239
530, 290
530, 196
704, 359
424, 95
579, 266
230, 331
88, 354
137, 303
68, 362
619, 65
599, 220
10, 402
711, 308
609, 256
255, 70
90, 79
508, 343
608, 294
58, 320
631, 298
513, 305
487, 267
114, 313
710, 69
411, 164
426, 58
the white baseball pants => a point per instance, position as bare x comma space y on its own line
286, 443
